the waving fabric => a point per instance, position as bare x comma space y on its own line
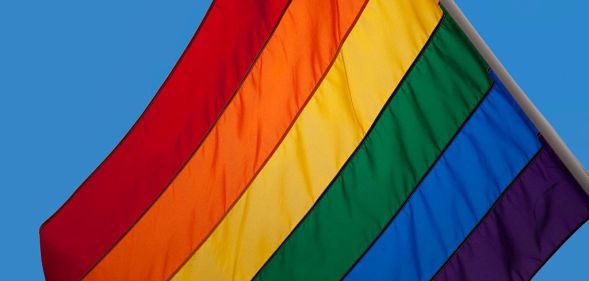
322, 140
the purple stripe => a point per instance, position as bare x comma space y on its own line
528, 223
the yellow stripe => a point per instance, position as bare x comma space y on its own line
371, 63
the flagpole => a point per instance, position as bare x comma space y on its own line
565, 154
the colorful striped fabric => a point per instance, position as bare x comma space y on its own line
539, 211
445, 206
258, 118
176, 121
322, 140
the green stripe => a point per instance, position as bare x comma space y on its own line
444, 85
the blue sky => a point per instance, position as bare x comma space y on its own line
75, 75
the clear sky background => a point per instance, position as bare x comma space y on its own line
75, 75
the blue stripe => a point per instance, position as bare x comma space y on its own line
490, 150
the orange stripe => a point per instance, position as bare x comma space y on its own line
273, 94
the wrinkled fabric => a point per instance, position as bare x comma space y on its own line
253, 124
543, 207
178, 118
491, 149
442, 88
379, 50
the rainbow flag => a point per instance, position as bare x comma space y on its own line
326, 140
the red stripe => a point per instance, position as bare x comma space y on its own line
178, 118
